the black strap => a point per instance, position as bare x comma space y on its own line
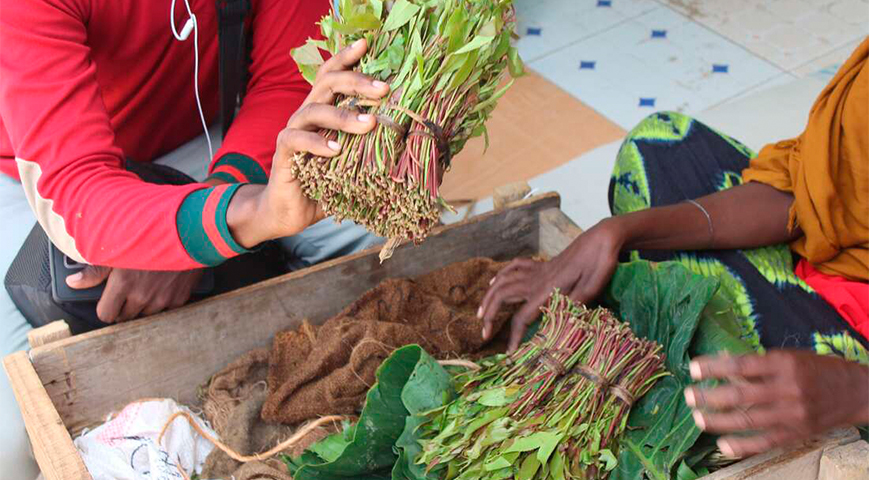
232, 58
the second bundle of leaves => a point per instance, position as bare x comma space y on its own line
554, 409
444, 61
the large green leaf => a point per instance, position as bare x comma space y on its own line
409, 378
662, 302
428, 388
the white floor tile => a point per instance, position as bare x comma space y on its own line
545, 26
788, 33
657, 61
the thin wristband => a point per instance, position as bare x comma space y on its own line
708, 220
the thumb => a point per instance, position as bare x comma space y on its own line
91, 276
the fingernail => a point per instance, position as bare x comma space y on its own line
485, 333
698, 419
74, 278
364, 118
689, 397
334, 145
725, 448
379, 84
480, 312
694, 367
492, 280
358, 43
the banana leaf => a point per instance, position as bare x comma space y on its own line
408, 382
682, 311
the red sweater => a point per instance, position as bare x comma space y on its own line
86, 83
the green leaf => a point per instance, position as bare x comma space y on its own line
476, 43
496, 397
529, 467
369, 452
606, 456
533, 442
308, 58
547, 446
427, 388
662, 302
684, 472
377, 6
514, 63
401, 13
719, 330
497, 464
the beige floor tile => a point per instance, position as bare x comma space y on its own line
535, 128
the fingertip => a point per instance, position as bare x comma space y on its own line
73, 280
361, 43
726, 448
690, 397
334, 146
696, 372
699, 420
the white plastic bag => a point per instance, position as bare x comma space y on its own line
126, 448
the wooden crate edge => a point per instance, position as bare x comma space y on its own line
52, 445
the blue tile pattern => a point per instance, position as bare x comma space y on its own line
629, 63
534, 31
604, 3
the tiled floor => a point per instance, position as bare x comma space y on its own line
628, 58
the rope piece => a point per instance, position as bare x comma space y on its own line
617, 390
294, 439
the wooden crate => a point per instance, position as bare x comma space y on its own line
65, 384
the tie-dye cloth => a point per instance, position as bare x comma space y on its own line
670, 157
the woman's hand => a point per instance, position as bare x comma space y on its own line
281, 209
781, 398
581, 271
133, 293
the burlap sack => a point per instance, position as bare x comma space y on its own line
327, 370
232, 404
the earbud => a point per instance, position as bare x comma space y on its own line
188, 27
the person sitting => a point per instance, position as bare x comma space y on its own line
84, 85
683, 191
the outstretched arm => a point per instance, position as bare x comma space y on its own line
746, 216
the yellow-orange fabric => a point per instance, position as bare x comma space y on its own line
827, 170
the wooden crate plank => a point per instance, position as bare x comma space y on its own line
846, 462
798, 463
54, 331
169, 355
52, 445
557, 231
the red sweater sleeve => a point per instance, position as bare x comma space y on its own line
276, 88
68, 161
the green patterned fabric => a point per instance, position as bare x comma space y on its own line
669, 158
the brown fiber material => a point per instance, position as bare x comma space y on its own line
327, 370
232, 404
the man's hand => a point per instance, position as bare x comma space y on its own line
581, 272
132, 293
781, 398
258, 213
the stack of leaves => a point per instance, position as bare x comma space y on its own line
554, 409
444, 61
665, 303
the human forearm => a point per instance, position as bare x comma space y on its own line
746, 216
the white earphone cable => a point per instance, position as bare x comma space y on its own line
181, 38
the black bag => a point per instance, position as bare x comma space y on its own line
29, 280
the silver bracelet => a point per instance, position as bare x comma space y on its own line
708, 220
